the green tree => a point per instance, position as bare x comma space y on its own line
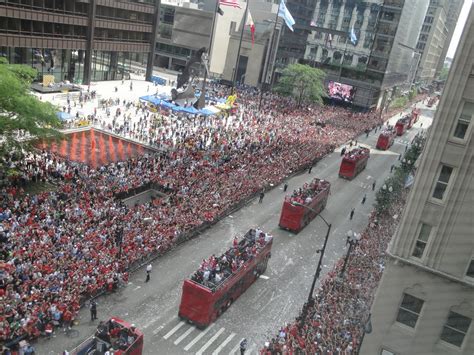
21, 111
303, 83
444, 73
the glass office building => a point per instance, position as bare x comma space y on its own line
78, 40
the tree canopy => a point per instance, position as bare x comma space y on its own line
303, 83
20, 110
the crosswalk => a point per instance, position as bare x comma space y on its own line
213, 340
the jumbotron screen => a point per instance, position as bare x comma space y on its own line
340, 91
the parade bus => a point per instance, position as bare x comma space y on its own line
407, 122
385, 140
116, 335
203, 301
354, 162
297, 212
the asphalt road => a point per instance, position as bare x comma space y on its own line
274, 299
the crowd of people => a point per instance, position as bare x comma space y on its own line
305, 194
215, 270
333, 323
59, 248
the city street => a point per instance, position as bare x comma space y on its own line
274, 299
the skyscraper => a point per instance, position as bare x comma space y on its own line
435, 37
78, 40
368, 45
425, 301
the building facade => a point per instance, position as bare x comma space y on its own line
374, 59
425, 301
454, 9
435, 38
78, 40
175, 42
292, 44
255, 57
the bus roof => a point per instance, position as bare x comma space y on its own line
312, 189
230, 262
356, 154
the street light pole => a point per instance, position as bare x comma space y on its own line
352, 239
318, 269
321, 251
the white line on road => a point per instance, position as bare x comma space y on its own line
137, 288
264, 277
180, 339
210, 341
198, 337
252, 349
150, 322
224, 343
172, 331
157, 330
236, 347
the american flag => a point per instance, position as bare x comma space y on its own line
233, 3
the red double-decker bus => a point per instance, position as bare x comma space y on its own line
304, 205
415, 115
385, 140
221, 280
354, 162
402, 125
115, 335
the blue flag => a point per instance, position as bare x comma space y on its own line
285, 15
353, 36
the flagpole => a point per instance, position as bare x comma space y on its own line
234, 79
202, 98
212, 31
268, 59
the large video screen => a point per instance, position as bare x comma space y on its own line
340, 91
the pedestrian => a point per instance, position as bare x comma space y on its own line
391, 168
421, 125
350, 144
343, 151
243, 346
373, 185
131, 86
116, 89
399, 156
310, 168
406, 147
93, 309
352, 214
355, 143
364, 198
148, 272
285, 187
367, 134
262, 195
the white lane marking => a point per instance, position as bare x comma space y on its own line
162, 325
210, 341
223, 344
180, 339
264, 277
198, 337
137, 288
172, 331
236, 347
252, 349
150, 322
157, 330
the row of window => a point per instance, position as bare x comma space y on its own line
454, 329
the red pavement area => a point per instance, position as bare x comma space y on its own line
94, 148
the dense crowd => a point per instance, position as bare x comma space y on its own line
61, 247
333, 323
215, 270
